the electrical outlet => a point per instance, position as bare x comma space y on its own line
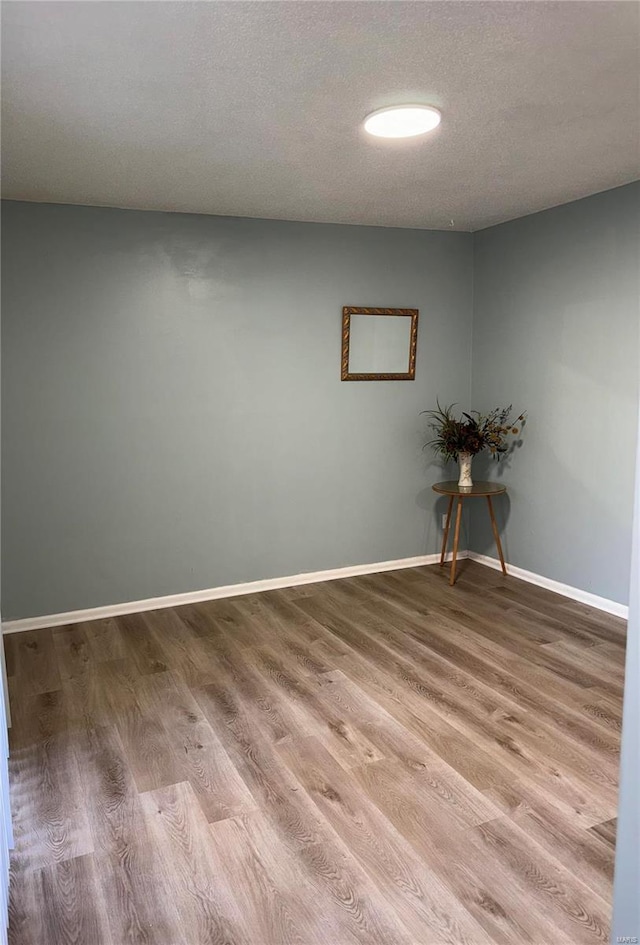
444, 521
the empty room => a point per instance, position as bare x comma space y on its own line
320, 499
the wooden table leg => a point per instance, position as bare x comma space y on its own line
456, 538
496, 535
445, 537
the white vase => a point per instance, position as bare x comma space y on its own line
465, 480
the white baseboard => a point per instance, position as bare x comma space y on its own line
584, 597
294, 580
212, 593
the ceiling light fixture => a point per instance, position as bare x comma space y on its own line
402, 121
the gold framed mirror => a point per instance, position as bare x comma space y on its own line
379, 344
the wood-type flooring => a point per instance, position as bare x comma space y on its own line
381, 760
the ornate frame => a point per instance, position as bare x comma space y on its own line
350, 310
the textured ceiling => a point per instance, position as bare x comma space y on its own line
256, 108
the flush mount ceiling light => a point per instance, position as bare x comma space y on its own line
402, 121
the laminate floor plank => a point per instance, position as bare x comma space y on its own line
206, 907
105, 639
284, 621
34, 661
148, 749
489, 892
438, 782
551, 609
463, 753
68, 904
597, 658
512, 632
413, 891
344, 739
89, 696
475, 759
485, 662
271, 785
319, 853
561, 831
220, 790
571, 613
238, 681
516, 628
10, 642
182, 649
47, 803
429, 729
223, 618
603, 710
72, 651
146, 742
35, 718
420, 596
607, 832
336, 696
491, 693
279, 905
141, 644
132, 879
576, 910
380, 760
519, 750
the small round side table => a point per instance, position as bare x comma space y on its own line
477, 490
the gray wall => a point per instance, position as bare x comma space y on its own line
626, 904
556, 319
6, 829
173, 417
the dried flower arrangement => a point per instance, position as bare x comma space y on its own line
472, 432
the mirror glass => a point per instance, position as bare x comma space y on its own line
379, 344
